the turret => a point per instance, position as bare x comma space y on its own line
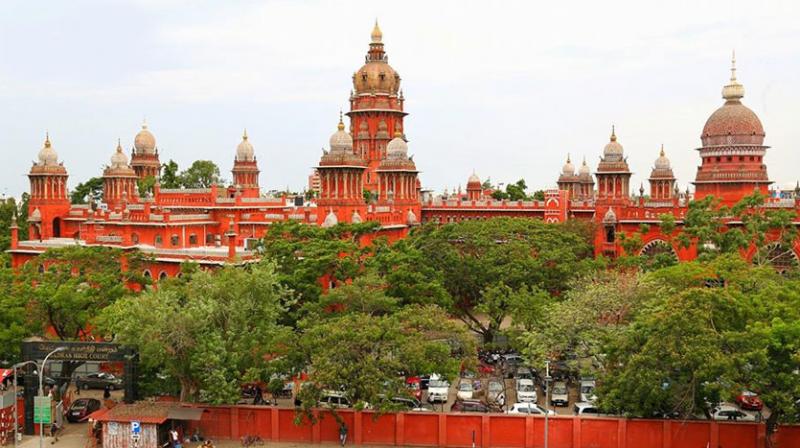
49, 199
245, 168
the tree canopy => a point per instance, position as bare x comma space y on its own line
89, 191
202, 174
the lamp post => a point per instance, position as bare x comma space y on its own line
41, 391
16, 411
546, 400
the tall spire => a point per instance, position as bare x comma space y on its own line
613, 133
341, 121
733, 91
244, 134
733, 66
377, 35
662, 150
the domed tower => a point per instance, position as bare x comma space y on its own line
613, 174
567, 180
397, 179
341, 174
474, 187
49, 199
376, 107
733, 149
662, 179
144, 159
119, 181
586, 182
245, 168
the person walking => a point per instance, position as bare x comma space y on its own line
342, 433
107, 392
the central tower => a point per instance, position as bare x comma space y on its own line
376, 108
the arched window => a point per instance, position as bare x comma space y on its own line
162, 275
147, 273
135, 238
158, 240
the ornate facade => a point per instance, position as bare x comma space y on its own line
366, 174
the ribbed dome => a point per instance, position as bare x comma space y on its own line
145, 142
584, 170
733, 123
245, 151
662, 162
613, 150
568, 169
376, 75
119, 159
397, 147
473, 180
340, 140
47, 155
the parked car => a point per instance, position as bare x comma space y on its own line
524, 372
413, 385
411, 404
529, 408
80, 409
98, 380
512, 360
560, 395
587, 391
750, 401
438, 390
465, 390
526, 391
731, 413
584, 408
469, 406
496, 393
333, 399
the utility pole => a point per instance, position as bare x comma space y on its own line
41, 391
546, 400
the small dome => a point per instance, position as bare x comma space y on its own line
145, 142
47, 155
584, 170
340, 140
610, 217
473, 179
662, 162
245, 151
35, 216
356, 218
119, 159
568, 169
411, 217
397, 147
613, 149
330, 220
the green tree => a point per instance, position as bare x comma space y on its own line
169, 175
14, 322
202, 174
538, 195
208, 330
89, 191
145, 185
516, 191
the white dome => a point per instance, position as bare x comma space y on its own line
356, 218
245, 151
584, 170
662, 162
119, 159
330, 220
473, 179
145, 141
568, 169
397, 147
341, 141
613, 149
47, 155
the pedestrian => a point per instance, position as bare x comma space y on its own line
174, 439
54, 430
107, 392
342, 433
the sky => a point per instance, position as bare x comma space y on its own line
505, 89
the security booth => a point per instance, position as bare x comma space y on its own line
71, 355
142, 425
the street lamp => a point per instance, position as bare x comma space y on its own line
41, 391
546, 399
16, 411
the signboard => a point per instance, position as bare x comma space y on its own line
113, 428
75, 351
41, 410
136, 429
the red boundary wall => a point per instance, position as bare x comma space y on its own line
489, 430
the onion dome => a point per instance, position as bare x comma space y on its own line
411, 218
340, 140
733, 123
584, 169
245, 151
662, 162
613, 150
119, 159
376, 75
330, 220
610, 217
397, 147
47, 155
356, 218
145, 142
473, 181
568, 169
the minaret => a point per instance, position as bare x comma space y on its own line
567, 180
376, 107
119, 181
474, 187
341, 174
613, 174
49, 199
586, 182
733, 149
144, 159
397, 180
245, 169
662, 180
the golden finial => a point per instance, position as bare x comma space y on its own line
733, 66
377, 35
398, 134
341, 121
119, 145
568, 160
47, 139
244, 134
662, 150
584, 160
613, 133
733, 91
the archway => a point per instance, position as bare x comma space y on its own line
56, 227
658, 253
778, 256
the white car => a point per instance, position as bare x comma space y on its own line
465, 390
559, 396
587, 391
495, 393
728, 412
438, 390
529, 408
584, 408
526, 391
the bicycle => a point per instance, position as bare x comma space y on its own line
252, 440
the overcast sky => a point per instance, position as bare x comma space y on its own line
503, 88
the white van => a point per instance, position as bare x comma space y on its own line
526, 391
